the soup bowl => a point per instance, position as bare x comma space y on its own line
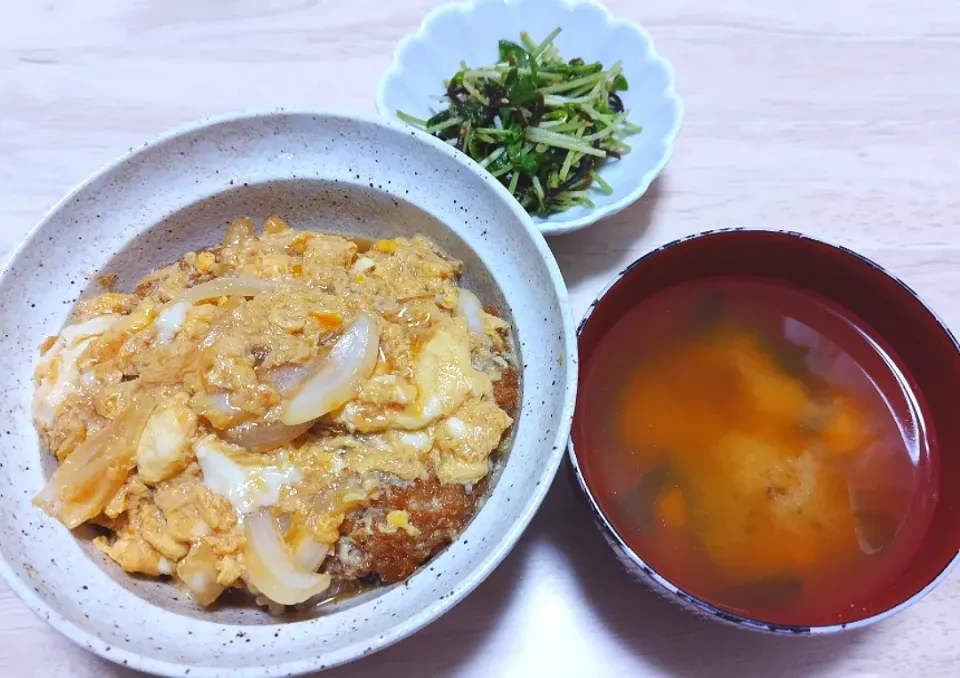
925, 349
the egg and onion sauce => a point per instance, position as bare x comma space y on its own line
283, 414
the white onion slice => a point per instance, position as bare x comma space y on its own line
220, 403
471, 310
226, 287
338, 376
310, 553
97, 469
288, 378
259, 436
270, 567
219, 410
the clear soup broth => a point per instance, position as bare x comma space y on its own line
762, 449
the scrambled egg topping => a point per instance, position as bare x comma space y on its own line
222, 422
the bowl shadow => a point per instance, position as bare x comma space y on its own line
659, 631
608, 245
452, 641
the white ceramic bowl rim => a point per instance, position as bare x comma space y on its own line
639, 567
497, 552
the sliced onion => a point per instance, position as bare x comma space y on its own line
227, 287
220, 403
270, 567
259, 435
471, 310
338, 376
219, 410
288, 378
304, 547
310, 553
92, 475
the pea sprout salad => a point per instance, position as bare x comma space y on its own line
542, 125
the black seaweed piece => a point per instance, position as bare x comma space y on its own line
537, 111
497, 94
457, 93
637, 503
582, 175
615, 102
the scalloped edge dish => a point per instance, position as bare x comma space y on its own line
424, 58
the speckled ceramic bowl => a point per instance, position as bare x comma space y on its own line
323, 171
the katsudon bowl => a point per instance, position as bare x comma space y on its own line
350, 175
730, 534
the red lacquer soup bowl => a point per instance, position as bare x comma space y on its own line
918, 363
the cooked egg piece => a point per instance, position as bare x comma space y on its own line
387, 389
135, 554
400, 520
470, 309
152, 526
198, 570
363, 265
478, 320
399, 453
163, 450
57, 370
170, 320
452, 470
246, 486
474, 431
444, 378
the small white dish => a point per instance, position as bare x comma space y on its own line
341, 173
469, 32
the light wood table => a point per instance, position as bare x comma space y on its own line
838, 118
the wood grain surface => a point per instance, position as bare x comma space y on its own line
837, 118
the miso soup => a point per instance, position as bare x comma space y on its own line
762, 448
